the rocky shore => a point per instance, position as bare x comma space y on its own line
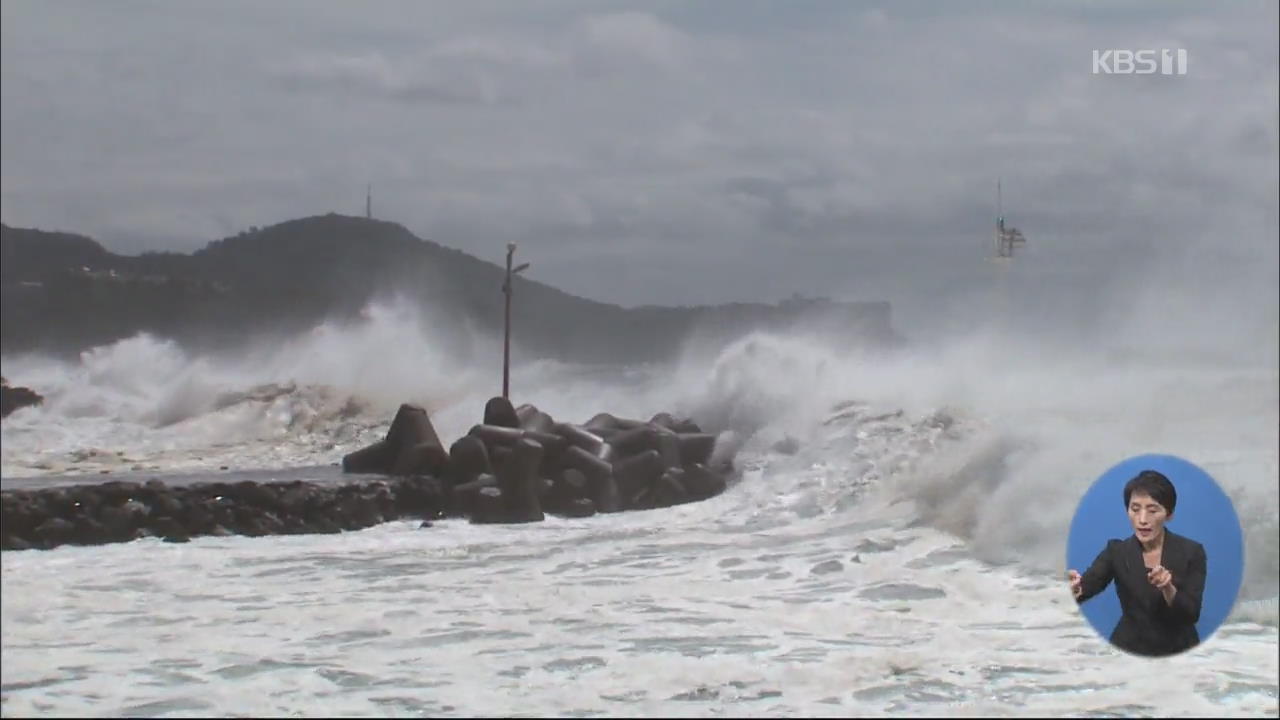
12, 398
518, 465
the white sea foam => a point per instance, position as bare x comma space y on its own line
864, 569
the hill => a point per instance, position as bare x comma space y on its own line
63, 293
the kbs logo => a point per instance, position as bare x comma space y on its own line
1139, 62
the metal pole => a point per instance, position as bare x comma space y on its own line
506, 330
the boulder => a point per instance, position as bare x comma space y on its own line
602, 489
578, 436
531, 418
498, 411
411, 447
520, 483
495, 436
466, 496
696, 447
375, 458
468, 459
701, 483
577, 508
490, 506
416, 447
637, 473
12, 398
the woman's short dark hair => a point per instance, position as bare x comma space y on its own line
1155, 485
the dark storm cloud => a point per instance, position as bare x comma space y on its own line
657, 152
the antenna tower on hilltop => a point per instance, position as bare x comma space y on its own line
1007, 236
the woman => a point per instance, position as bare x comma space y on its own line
1159, 575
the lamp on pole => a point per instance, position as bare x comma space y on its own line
506, 329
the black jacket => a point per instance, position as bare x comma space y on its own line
1148, 625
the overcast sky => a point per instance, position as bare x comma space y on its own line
661, 152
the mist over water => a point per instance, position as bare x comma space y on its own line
961, 456
1043, 415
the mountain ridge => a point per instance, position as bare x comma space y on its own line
288, 277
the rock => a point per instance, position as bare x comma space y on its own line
21, 512
701, 483
411, 447
520, 483
572, 485
685, 426
424, 458
490, 506
88, 531
663, 420
498, 457
696, 447
498, 411
415, 445
119, 524
578, 436
637, 472
117, 491
55, 531
533, 419
250, 493
544, 486
466, 496
599, 474
423, 497
13, 398
200, 516
468, 459
170, 530
633, 441
375, 458
553, 447
165, 504
496, 436
601, 421
577, 508
585, 463
668, 446
515, 467
670, 490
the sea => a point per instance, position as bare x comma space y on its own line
893, 543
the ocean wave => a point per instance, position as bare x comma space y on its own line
970, 433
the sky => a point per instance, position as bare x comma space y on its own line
671, 152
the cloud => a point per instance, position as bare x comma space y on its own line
636, 35
373, 77
817, 147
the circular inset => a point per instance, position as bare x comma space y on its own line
1155, 555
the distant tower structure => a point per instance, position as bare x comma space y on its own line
1007, 237
368, 202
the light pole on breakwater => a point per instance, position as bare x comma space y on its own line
506, 329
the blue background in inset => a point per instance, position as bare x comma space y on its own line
1204, 513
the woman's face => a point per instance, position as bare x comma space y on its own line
1146, 516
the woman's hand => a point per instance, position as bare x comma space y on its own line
1159, 576
1162, 580
1076, 587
